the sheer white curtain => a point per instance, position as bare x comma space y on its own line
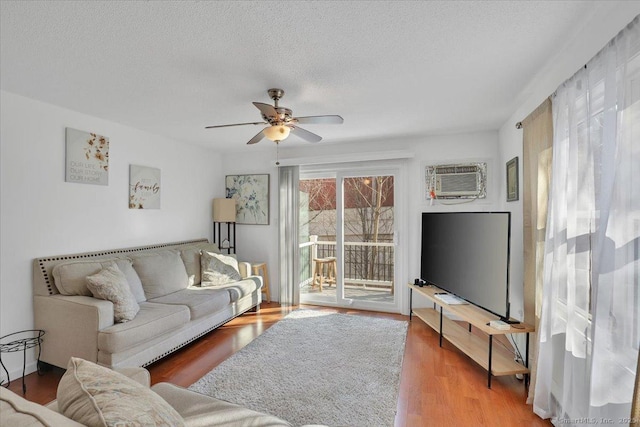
589, 328
288, 178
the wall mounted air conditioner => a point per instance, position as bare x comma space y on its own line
457, 181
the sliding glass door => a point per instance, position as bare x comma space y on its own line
348, 232
318, 222
368, 238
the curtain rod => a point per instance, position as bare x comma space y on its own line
519, 124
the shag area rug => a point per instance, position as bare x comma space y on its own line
315, 367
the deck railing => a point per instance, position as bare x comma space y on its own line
368, 264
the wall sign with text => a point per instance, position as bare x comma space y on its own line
87, 157
144, 187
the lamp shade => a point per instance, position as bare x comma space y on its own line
224, 210
277, 133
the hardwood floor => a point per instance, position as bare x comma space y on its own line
439, 386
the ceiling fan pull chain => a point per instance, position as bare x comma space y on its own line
277, 159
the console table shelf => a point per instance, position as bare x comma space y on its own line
479, 347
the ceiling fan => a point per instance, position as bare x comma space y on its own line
280, 121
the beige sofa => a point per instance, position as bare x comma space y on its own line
196, 410
165, 281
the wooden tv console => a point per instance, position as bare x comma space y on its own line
497, 361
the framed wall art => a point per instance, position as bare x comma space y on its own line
251, 193
512, 180
87, 157
144, 187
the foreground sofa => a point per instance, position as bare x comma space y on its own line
193, 409
165, 279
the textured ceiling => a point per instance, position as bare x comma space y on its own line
390, 68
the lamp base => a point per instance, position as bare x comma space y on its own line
228, 243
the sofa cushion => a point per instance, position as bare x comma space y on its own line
208, 247
242, 288
218, 269
161, 272
126, 266
191, 259
151, 321
97, 396
16, 411
201, 301
111, 284
200, 410
70, 277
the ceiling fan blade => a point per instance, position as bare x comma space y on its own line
305, 134
327, 120
257, 138
266, 109
235, 124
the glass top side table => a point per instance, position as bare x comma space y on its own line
21, 341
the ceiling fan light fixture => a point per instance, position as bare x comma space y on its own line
280, 121
277, 132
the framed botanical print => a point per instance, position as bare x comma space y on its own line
251, 193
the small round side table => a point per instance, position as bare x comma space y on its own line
21, 341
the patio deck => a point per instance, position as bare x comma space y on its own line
354, 292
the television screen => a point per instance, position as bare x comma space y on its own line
467, 254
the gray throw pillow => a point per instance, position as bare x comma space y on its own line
218, 269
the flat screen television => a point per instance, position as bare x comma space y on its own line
467, 254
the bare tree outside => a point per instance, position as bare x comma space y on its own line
319, 202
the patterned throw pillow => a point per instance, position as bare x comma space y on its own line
218, 269
111, 284
97, 396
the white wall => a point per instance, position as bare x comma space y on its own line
44, 215
255, 242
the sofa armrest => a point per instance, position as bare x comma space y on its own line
245, 269
199, 410
17, 411
71, 325
140, 375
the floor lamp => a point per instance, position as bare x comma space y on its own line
224, 211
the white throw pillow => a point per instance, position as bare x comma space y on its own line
97, 396
218, 269
111, 284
